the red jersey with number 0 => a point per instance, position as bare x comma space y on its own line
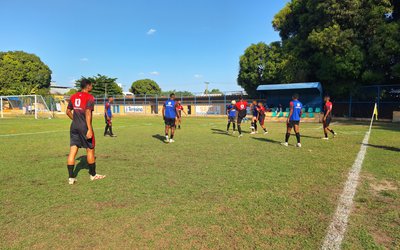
241, 105
79, 103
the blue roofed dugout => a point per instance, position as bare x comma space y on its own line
310, 94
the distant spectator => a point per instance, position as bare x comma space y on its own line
279, 109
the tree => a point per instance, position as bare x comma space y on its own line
215, 91
71, 91
22, 73
145, 87
103, 85
341, 43
261, 64
177, 93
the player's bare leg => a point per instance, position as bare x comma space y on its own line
172, 134
287, 136
297, 131
167, 133
71, 164
91, 160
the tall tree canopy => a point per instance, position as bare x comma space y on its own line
103, 85
340, 43
261, 64
23, 73
145, 87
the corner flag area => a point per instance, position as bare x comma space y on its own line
209, 190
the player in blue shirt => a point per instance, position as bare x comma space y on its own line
293, 120
231, 112
170, 113
108, 118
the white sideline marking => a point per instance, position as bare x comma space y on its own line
55, 131
337, 228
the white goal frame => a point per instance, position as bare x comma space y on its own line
36, 98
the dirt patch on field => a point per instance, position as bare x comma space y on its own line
384, 185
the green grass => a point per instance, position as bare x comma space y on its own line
208, 190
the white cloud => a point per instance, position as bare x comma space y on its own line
198, 76
154, 73
151, 32
141, 74
84, 59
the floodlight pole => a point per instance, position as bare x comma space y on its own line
35, 107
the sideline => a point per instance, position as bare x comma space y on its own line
338, 226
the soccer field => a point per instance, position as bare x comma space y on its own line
207, 190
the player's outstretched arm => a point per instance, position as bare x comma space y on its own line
163, 112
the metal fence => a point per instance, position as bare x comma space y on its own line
358, 105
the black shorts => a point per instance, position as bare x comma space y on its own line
169, 122
292, 123
241, 115
78, 138
327, 121
231, 119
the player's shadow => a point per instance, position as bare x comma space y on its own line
266, 140
81, 165
308, 136
223, 132
394, 149
159, 137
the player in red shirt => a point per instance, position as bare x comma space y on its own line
79, 110
180, 109
261, 116
241, 107
327, 117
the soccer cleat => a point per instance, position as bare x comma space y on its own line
325, 138
97, 177
171, 140
298, 145
227, 132
240, 135
256, 131
253, 133
72, 181
285, 144
334, 135
166, 139
113, 135
234, 132
266, 132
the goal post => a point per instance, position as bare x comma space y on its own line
24, 106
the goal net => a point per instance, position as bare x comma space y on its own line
24, 106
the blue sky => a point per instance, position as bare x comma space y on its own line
178, 43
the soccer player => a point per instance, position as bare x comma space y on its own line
261, 116
254, 111
293, 121
170, 113
241, 107
327, 117
79, 110
231, 112
108, 117
179, 116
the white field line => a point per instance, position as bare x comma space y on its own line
55, 131
337, 228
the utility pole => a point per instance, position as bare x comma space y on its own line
207, 83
